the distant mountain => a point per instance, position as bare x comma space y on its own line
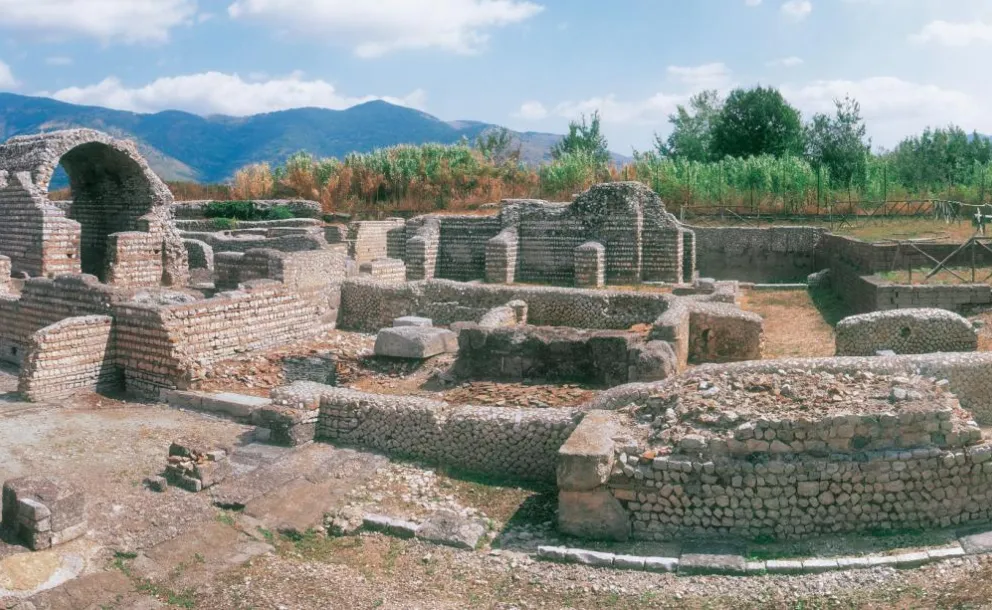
184, 146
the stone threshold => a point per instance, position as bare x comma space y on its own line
738, 565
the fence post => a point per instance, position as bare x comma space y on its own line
973, 244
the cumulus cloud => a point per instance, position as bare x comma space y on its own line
894, 108
128, 21
373, 29
7, 80
785, 62
532, 111
951, 34
707, 76
797, 9
218, 93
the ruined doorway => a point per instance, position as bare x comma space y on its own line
109, 194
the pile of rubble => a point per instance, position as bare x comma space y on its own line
193, 467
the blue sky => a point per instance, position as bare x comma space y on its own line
527, 64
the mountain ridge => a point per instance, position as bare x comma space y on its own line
183, 146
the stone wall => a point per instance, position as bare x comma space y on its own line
68, 356
172, 346
462, 246
502, 257
424, 239
854, 263
559, 354
521, 443
134, 259
747, 254
28, 215
720, 332
45, 301
368, 306
906, 331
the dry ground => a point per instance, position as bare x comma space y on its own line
798, 323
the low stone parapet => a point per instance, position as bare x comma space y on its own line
905, 331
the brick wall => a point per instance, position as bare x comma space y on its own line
71, 355
26, 217
373, 239
134, 259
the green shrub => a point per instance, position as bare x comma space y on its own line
225, 224
280, 212
240, 210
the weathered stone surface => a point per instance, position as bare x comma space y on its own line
586, 460
905, 331
43, 512
589, 558
595, 515
451, 529
412, 321
389, 525
719, 562
415, 342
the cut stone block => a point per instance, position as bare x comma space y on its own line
589, 558
41, 512
586, 459
412, 321
451, 529
595, 515
414, 342
389, 525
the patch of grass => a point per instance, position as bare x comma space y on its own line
267, 534
226, 518
120, 562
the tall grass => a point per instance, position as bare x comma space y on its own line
457, 177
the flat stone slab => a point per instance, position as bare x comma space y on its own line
412, 321
451, 529
784, 566
390, 525
415, 342
228, 403
589, 558
661, 564
713, 559
976, 544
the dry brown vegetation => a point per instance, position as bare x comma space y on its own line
798, 323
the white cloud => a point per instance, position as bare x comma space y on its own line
217, 93
954, 34
651, 111
797, 9
785, 62
59, 61
7, 80
376, 28
128, 21
532, 111
706, 76
894, 108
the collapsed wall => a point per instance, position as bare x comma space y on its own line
167, 340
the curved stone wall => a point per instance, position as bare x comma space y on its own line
905, 331
520, 443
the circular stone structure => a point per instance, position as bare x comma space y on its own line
781, 455
905, 331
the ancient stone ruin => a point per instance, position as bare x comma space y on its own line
683, 432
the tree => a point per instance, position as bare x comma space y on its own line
496, 146
757, 122
838, 143
584, 138
692, 129
939, 157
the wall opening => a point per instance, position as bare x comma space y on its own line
109, 194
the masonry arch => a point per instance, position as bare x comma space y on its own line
113, 191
